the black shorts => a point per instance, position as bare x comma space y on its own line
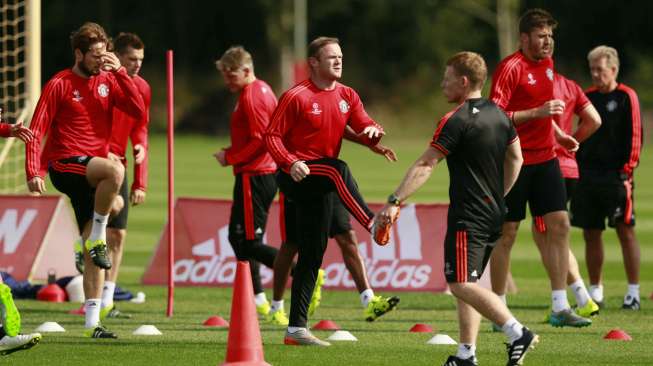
540, 185
252, 197
609, 197
120, 220
570, 188
466, 253
69, 177
340, 221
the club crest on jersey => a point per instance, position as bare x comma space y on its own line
549, 74
103, 90
611, 106
344, 106
77, 97
531, 79
316, 109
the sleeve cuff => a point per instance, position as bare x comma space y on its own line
440, 148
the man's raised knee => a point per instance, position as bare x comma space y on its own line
117, 172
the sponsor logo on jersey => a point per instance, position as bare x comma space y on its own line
611, 106
77, 97
103, 90
344, 106
316, 109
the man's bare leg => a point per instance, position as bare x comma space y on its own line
557, 260
594, 260
353, 260
116, 240
500, 260
282, 265
106, 176
574, 279
631, 255
474, 301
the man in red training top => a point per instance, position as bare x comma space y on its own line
522, 85
130, 51
304, 138
75, 111
253, 167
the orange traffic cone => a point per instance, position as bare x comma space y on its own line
244, 347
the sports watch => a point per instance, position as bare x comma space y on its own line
394, 200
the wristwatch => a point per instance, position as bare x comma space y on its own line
394, 200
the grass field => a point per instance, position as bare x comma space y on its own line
386, 342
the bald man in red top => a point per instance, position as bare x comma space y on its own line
522, 85
75, 112
304, 138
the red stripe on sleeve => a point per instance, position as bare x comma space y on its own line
636, 137
44, 113
256, 128
503, 82
279, 125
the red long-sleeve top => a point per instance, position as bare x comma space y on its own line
5, 130
127, 127
309, 123
250, 118
76, 113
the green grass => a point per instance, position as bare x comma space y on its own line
387, 342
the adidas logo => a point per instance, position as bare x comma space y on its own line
216, 263
397, 264
474, 274
475, 110
258, 231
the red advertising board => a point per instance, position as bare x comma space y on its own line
36, 236
412, 260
